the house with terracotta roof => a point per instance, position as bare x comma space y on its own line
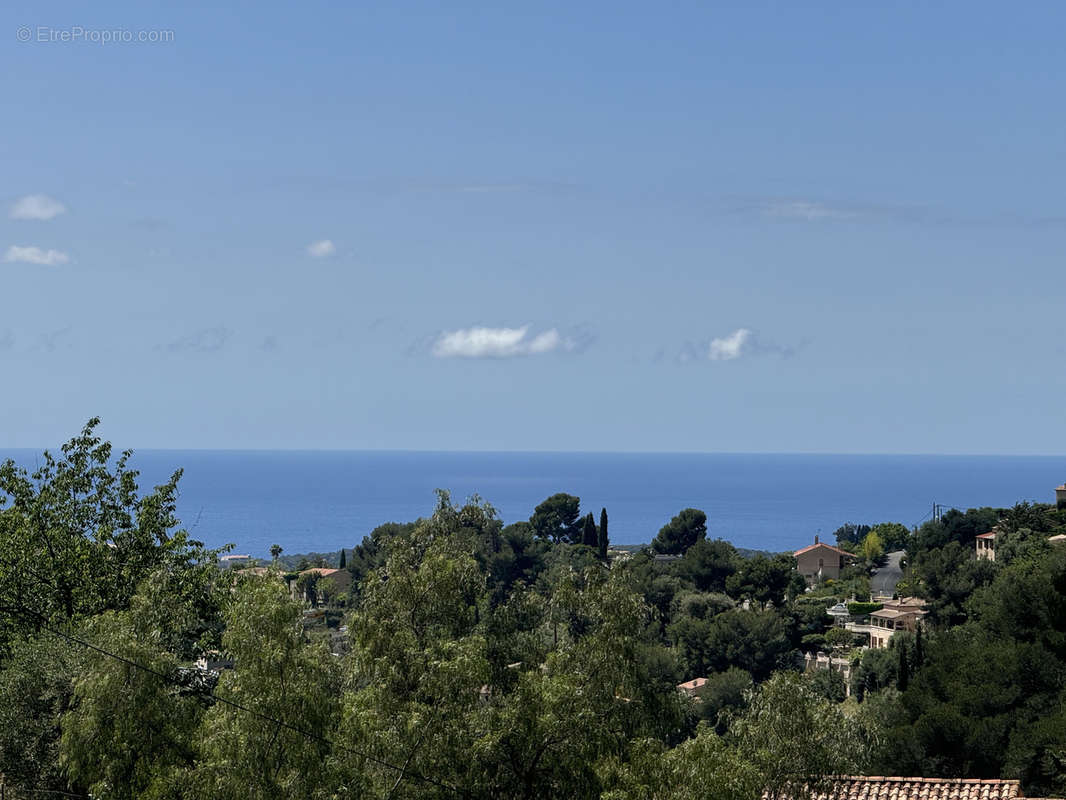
884, 788
692, 687
820, 561
904, 614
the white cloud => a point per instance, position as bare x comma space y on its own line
35, 255
37, 206
321, 248
810, 211
730, 347
480, 342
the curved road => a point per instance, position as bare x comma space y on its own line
884, 579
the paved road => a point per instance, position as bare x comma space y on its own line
884, 580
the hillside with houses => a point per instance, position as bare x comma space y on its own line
463, 655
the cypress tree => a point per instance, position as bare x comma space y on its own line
588, 536
344, 561
919, 649
603, 541
903, 676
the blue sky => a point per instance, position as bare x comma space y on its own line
703, 227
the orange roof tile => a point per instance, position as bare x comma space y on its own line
810, 547
695, 683
878, 787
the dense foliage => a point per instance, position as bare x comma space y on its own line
487, 660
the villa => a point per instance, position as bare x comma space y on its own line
905, 614
820, 561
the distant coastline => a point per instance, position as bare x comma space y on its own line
325, 500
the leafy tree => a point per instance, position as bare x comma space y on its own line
830, 684
947, 577
555, 519
798, 739
872, 548
519, 562
756, 641
36, 689
132, 728
701, 605
76, 539
1020, 544
893, 535
680, 533
838, 638
708, 564
764, 580
876, 670
418, 658
723, 696
275, 552
961, 527
705, 766
284, 681
370, 553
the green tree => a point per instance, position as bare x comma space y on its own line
872, 548
903, 671
36, 689
602, 541
850, 534
589, 537
708, 564
555, 519
798, 739
284, 681
723, 696
343, 561
275, 552
705, 766
893, 535
132, 728
764, 580
756, 641
681, 533
419, 658
830, 684
76, 538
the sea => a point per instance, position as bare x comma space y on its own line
320, 501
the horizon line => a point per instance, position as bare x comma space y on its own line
520, 451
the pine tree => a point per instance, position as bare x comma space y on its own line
603, 541
344, 561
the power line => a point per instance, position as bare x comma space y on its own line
238, 706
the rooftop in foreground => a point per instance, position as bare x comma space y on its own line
889, 788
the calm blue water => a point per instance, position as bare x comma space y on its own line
321, 501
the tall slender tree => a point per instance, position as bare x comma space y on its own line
588, 533
344, 561
603, 540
